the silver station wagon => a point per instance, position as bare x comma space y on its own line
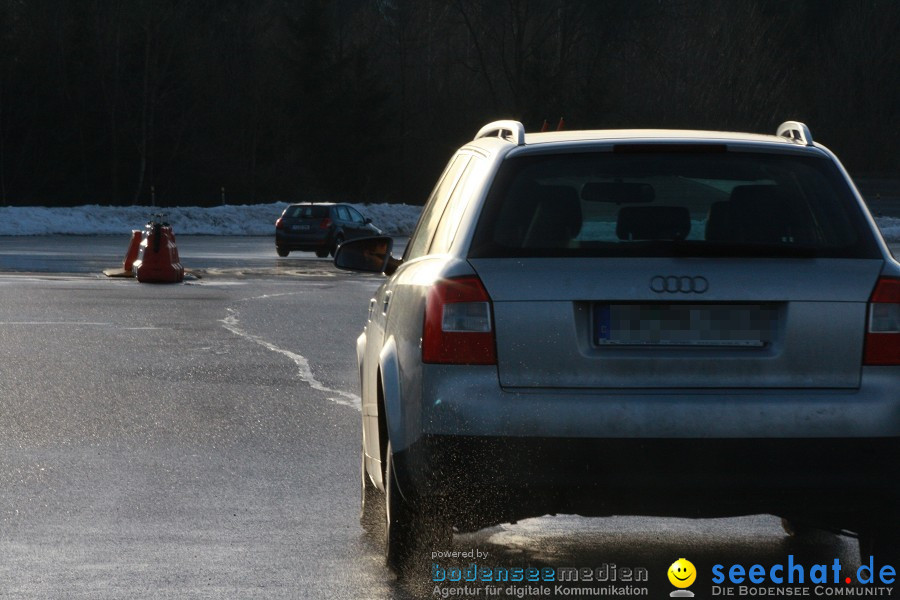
644, 322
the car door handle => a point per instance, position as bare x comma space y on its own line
387, 301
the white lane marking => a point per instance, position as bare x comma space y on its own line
231, 323
267, 296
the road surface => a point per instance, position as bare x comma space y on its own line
201, 440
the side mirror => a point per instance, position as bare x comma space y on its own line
366, 221
368, 254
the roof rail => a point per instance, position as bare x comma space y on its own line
505, 130
795, 130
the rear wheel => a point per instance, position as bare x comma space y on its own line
338, 240
322, 252
401, 526
282, 252
409, 528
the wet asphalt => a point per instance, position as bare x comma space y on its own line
200, 440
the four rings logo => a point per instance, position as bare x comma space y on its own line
674, 284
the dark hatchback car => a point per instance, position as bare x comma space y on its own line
319, 228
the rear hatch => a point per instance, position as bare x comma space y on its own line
737, 323
676, 266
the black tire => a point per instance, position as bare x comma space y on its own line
322, 252
402, 527
338, 240
371, 501
282, 252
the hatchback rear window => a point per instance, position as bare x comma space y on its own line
671, 204
306, 211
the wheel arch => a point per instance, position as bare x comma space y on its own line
390, 390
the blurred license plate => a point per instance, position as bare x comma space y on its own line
746, 325
300, 227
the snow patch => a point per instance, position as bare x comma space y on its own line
255, 219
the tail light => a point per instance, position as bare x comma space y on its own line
883, 324
325, 224
279, 224
458, 324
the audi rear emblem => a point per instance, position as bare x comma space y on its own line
675, 284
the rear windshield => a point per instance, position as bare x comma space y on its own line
658, 203
306, 211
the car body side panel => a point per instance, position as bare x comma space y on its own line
369, 411
372, 339
400, 307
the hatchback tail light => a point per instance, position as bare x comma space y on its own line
325, 223
883, 324
279, 224
458, 324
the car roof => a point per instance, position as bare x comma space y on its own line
668, 135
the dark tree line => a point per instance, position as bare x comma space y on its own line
133, 101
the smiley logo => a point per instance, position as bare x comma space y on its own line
682, 573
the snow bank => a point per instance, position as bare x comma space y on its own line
890, 228
256, 219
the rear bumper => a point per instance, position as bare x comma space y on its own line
827, 455
304, 241
468, 401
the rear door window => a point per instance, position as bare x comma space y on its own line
434, 208
355, 215
459, 199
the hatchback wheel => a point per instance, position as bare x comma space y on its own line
282, 252
322, 252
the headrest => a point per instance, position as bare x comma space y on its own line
556, 218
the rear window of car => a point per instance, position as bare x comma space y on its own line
671, 203
306, 211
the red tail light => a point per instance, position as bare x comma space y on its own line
459, 326
883, 324
325, 224
279, 224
